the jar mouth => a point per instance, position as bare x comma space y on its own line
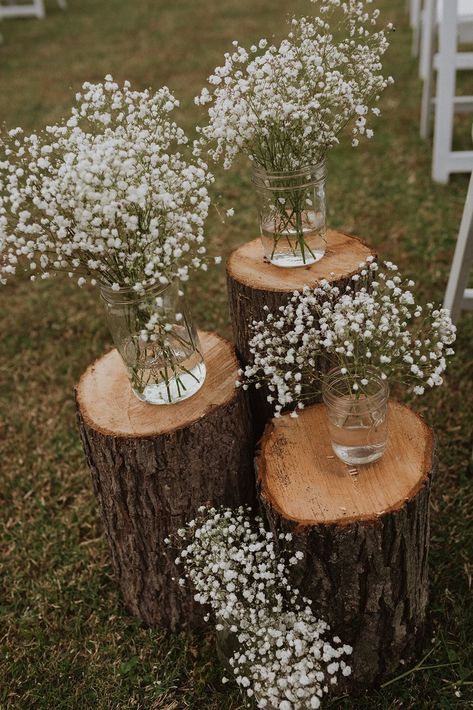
311, 167
337, 387
306, 175
128, 294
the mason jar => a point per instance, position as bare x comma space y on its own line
292, 214
357, 415
156, 338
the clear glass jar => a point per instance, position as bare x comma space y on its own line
292, 214
357, 418
157, 340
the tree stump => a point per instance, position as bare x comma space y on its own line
254, 283
365, 536
153, 466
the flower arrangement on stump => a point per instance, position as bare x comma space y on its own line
366, 336
280, 654
285, 106
110, 197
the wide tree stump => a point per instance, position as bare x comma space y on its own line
365, 536
254, 283
153, 466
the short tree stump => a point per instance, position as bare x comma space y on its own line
365, 536
153, 466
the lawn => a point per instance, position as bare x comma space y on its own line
66, 641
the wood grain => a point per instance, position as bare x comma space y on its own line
108, 405
307, 483
342, 258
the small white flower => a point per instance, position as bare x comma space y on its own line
143, 202
377, 325
240, 570
271, 90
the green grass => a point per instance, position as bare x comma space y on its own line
66, 640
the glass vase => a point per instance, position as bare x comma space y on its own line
357, 417
157, 341
292, 214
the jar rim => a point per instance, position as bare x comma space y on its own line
372, 373
128, 294
259, 169
288, 181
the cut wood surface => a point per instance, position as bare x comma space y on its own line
365, 535
316, 487
254, 283
153, 466
341, 260
108, 404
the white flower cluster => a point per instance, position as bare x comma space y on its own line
107, 195
283, 659
373, 323
286, 105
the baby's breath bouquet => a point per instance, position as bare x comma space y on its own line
285, 105
112, 197
281, 656
371, 333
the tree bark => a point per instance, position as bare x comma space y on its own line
254, 283
153, 466
365, 536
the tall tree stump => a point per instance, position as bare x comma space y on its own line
365, 536
153, 466
254, 283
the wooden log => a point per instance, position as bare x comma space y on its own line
153, 466
365, 536
254, 283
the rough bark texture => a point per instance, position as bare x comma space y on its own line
253, 283
367, 575
148, 486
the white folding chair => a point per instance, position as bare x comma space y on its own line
428, 15
35, 8
447, 61
457, 296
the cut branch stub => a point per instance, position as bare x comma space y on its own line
153, 466
365, 535
254, 283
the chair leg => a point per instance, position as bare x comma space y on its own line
462, 259
428, 30
427, 53
415, 12
39, 7
426, 107
444, 109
